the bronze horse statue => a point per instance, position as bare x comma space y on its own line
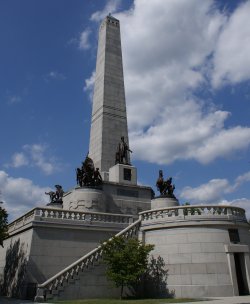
165, 187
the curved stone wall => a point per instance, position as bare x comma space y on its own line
85, 199
195, 244
163, 202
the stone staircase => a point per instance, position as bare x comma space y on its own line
85, 278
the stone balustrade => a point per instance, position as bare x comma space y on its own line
193, 212
22, 221
41, 214
56, 283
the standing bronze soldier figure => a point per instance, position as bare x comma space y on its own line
122, 156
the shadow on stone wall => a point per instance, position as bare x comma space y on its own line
14, 271
153, 284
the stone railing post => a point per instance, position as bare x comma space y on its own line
37, 214
88, 218
181, 212
39, 296
229, 211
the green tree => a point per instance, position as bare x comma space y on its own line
3, 225
126, 261
193, 210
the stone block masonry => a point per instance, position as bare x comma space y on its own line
109, 117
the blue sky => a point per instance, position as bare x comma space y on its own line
187, 72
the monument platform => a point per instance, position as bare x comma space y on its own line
114, 198
120, 194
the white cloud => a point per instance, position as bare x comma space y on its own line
54, 75
240, 202
14, 99
89, 83
213, 191
243, 178
19, 160
110, 7
35, 156
84, 43
223, 143
20, 195
231, 59
37, 153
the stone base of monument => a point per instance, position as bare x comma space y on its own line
123, 174
164, 201
113, 198
85, 199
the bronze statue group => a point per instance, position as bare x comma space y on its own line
88, 175
56, 197
165, 186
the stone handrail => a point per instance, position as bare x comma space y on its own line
193, 211
81, 264
22, 221
40, 214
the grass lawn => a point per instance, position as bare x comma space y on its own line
130, 301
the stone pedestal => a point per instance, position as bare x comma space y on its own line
105, 176
85, 199
55, 205
123, 174
164, 201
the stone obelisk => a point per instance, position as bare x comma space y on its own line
109, 117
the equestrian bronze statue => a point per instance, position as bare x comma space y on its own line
165, 186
